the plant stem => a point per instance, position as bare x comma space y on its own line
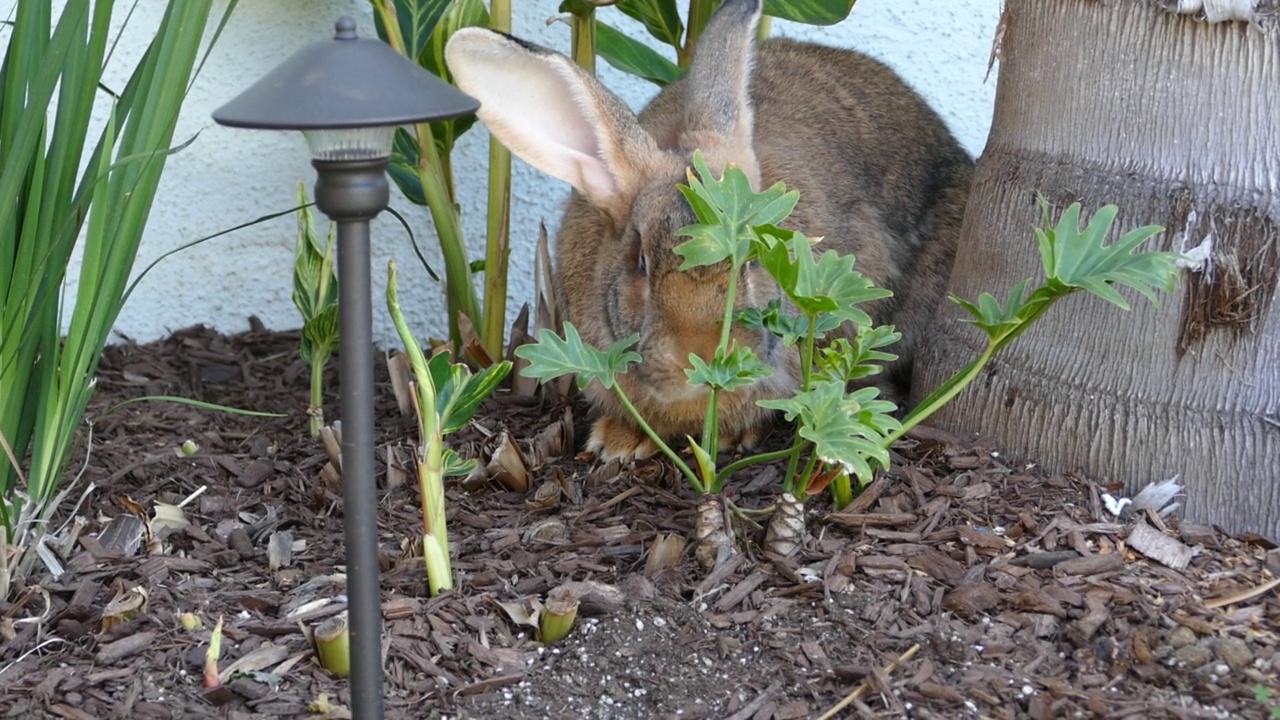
584, 40
952, 387
666, 449
435, 535
498, 230
317, 395
790, 481
723, 475
765, 27
460, 293
699, 13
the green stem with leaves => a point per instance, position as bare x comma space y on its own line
435, 535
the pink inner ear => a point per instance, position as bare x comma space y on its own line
539, 111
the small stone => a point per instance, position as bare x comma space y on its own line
1234, 652
1193, 655
1181, 637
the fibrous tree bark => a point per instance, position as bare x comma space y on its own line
1174, 117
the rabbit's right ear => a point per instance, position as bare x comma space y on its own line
554, 116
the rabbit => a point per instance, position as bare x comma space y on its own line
879, 175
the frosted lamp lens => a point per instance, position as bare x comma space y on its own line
365, 143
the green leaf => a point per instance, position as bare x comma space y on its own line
845, 361
459, 14
315, 284
320, 336
847, 429
1078, 258
634, 57
829, 284
417, 20
728, 210
728, 371
552, 357
660, 17
810, 12
458, 392
454, 465
789, 327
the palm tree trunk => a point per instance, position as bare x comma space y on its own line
1177, 121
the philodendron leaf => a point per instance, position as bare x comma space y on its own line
458, 392
634, 57
810, 12
1076, 258
846, 361
846, 429
728, 210
552, 357
826, 284
728, 372
787, 326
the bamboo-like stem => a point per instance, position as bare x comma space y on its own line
584, 40
435, 535
498, 230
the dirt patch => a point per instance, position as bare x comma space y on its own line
1012, 594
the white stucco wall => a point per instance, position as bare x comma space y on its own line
228, 177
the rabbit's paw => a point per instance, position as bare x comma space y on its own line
744, 440
616, 439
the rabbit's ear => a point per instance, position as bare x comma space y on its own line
718, 114
554, 116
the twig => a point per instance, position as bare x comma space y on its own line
858, 691
1242, 596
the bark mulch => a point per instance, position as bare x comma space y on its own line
961, 584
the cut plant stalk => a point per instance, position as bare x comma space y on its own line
333, 645
558, 615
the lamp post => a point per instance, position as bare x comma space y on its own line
348, 96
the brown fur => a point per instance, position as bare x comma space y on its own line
879, 176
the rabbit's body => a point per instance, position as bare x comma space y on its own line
878, 173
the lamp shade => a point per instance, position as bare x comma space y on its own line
347, 82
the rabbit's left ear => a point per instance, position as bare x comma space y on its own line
555, 117
718, 115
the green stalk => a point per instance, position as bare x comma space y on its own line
317, 395
460, 294
699, 12
435, 536
952, 387
727, 472
498, 229
437, 188
662, 445
790, 480
765, 27
584, 40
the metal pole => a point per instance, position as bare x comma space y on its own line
352, 193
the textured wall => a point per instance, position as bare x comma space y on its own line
228, 177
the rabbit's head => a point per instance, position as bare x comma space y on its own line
619, 272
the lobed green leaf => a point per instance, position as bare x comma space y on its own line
728, 371
552, 357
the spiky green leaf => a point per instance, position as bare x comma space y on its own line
553, 356
728, 371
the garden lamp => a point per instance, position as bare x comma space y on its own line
347, 96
